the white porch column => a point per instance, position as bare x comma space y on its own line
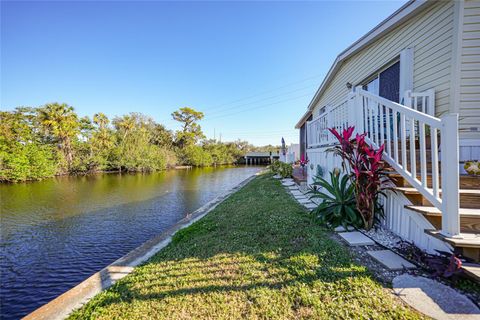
450, 175
352, 115
357, 105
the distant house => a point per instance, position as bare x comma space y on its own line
293, 153
413, 83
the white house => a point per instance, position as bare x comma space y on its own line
293, 153
413, 83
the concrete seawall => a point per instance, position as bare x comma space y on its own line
63, 305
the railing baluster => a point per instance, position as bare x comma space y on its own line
375, 122
413, 156
382, 136
370, 120
403, 140
423, 154
395, 135
387, 127
434, 151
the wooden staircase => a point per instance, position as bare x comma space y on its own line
468, 243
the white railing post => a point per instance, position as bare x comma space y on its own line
308, 134
358, 112
329, 121
450, 175
352, 121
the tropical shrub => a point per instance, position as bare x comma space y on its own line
366, 172
275, 166
195, 155
285, 170
338, 206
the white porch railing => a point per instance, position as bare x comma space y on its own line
405, 130
334, 117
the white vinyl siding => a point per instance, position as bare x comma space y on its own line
429, 33
470, 72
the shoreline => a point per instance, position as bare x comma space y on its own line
64, 304
95, 173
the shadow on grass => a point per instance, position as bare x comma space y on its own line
258, 240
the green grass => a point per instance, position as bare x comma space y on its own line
258, 255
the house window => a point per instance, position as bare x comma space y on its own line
386, 83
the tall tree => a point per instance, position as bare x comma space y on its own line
61, 124
102, 142
191, 131
22, 154
161, 136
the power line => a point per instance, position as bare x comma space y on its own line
263, 134
260, 100
264, 92
257, 107
268, 131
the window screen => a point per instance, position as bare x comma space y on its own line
390, 83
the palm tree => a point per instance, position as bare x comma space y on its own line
125, 124
60, 122
101, 120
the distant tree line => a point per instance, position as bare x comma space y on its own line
51, 140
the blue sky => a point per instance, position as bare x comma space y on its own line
251, 67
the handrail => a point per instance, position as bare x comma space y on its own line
403, 130
333, 117
428, 119
406, 132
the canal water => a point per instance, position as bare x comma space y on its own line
57, 232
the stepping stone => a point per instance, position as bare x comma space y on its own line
342, 229
288, 184
391, 260
303, 200
310, 206
297, 193
356, 238
434, 299
277, 176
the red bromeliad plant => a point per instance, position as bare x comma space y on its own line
367, 173
303, 161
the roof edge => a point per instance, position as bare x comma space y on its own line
303, 119
399, 16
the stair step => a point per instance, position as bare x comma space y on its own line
466, 182
465, 240
469, 198
466, 243
435, 211
469, 218
472, 270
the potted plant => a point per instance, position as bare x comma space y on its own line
472, 167
303, 163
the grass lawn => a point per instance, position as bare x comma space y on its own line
257, 255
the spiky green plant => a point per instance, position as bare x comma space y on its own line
338, 206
